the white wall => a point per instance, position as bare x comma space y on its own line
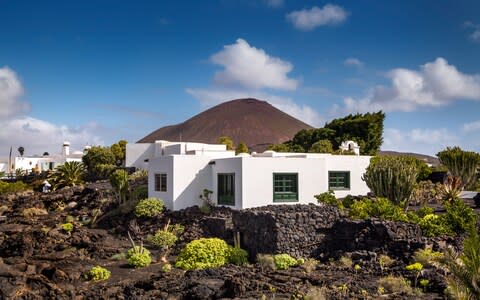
137, 153
357, 166
157, 166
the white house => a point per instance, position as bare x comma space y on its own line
179, 172
39, 163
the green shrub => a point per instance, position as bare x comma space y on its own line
425, 210
13, 187
203, 253
459, 217
284, 261
67, 227
380, 208
328, 198
237, 256
138, 257
427, 256
392, 177
433, 225
149, 207
163, 239
348, 201
97, 273
166, 268
140, 192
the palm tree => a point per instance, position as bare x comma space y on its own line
69, 174
21, 150
464, 279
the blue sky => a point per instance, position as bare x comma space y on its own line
98, 71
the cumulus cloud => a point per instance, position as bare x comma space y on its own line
309, 19
353, 62
275, 3
471, 126
475, 31
210, 97
37, 136
419, 140
10, 92
249, 67
436, 84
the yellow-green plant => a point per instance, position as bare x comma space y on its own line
284, 261
97, 273
67, 227
416, 268
385, 261
149, 207
138, 257
166, 238
203, 253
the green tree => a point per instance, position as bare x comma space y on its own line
70, 173
100, 162
279, 148
119, 182
119, 151
322, 146
460, 163
241, 148
392, 177
226, 141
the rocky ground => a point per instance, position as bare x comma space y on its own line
39, 260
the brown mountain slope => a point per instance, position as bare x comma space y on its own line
255, 122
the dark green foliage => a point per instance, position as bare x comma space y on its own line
241, 148
459, 217
100, 162
321, 146
237, 256
393, 177
226, 141
460, 163
424, 170
348, 201
140, 192
279, 148
70, 173
119, 152
380, 208
119, 182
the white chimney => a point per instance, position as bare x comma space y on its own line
66, 149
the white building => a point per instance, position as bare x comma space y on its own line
179, 172
40, 163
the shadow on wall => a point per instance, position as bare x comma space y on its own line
190, 196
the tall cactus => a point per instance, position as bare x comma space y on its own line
392, 177
462, 164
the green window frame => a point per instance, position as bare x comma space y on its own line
285, 187
339, 180
161, 182
226, 188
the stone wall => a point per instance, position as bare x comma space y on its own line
320, 231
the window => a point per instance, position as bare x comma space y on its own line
160, 182
285, 187
226, 189
339, 180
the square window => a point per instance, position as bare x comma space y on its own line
285, 187
339, 180
161, 182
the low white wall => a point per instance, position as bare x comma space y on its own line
137, 153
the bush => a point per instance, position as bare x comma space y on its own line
328, 198
393, 284
284, 261
149, 207
427, 256
348, 201
97, 273
203, 253
67, 227
433, 225
166, 268
237, 256
163, 239
13, 187
393, 177
459, 217
138, 257
310, 265
266, 261
380, 208
425, 210
140, 192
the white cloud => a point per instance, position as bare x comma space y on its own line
309, 19
353, 62
275, 3
305, 113
249, 67
419, 140
475, 34
472, 126
10, 92
37, 136
436, 84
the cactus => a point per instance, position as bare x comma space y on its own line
392, 177
462, 164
